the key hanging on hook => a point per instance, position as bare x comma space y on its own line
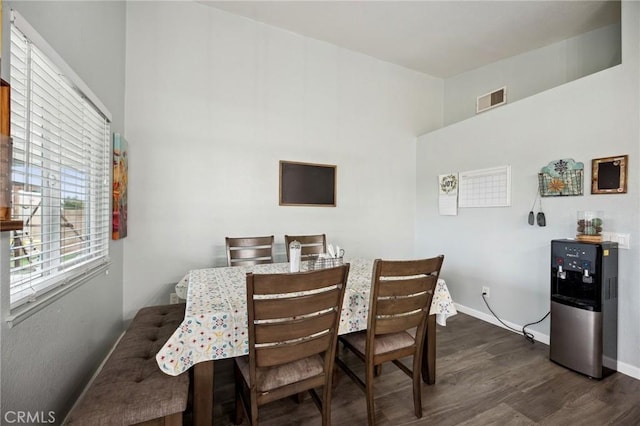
539, 218
531, 214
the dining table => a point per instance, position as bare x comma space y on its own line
215, 323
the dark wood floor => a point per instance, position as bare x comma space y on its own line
485, 376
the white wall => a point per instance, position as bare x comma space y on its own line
596, 116
214, 101
533, 72
47, 359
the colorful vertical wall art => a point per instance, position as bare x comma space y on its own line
120, 182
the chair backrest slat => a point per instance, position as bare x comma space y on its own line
291, 330
289, 283
302, 305
399, 268
311, 245
400, 305
395, 324
250, 253
285, 353
242, 251
405, 286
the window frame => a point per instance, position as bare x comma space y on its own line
94, 188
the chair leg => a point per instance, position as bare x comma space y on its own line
254, 409
371, 411
417, 386
239, 412
239, 404
334, 380
417, 396
326, 405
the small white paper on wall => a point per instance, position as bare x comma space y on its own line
448, 194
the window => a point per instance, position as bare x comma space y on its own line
60, 176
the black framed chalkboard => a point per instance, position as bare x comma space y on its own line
609, 175
307, 184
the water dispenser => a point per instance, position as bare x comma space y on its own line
584, 306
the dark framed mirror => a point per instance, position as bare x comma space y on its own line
609, 175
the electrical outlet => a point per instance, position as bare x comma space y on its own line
623, 240
173, 298
485, 291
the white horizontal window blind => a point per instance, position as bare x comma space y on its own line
61, 165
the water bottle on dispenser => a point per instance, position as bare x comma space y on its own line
295, 255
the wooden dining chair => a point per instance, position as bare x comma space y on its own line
401, 294
249, 250
311, 245
293, 327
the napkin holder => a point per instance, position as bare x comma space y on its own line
326, 262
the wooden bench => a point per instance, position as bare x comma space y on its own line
131, 389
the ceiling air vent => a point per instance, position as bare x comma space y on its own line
491, 100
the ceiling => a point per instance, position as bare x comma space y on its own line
439, 38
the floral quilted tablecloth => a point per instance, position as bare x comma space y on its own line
215, 323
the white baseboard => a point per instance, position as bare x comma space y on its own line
628, 370
624, 368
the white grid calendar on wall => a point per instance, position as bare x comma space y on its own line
485, 188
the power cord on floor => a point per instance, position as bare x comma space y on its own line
526, 334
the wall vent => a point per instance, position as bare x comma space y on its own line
491, 100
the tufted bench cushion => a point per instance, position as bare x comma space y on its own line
131, 388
